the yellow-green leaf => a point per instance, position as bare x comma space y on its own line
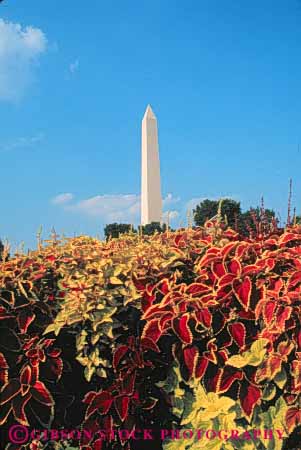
115, 280
281, 378
252, 357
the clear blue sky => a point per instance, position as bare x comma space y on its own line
223, 78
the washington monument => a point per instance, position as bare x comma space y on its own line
151, 200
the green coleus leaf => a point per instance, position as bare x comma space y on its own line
281, 378
269, 392
81, 340
175, 445
252, 357
88, 372
274, 419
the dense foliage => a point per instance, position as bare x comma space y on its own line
246, 223
207, 209
194, 329
114, 230
1, 249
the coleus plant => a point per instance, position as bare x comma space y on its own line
225, 309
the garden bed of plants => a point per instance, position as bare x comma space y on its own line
197, 329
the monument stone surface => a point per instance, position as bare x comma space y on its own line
151, 199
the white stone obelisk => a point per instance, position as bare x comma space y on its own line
151, 200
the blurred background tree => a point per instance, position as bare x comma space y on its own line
152, 227
1, 249
207, 209
243, 222
114, 230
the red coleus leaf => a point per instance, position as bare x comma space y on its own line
269, 368
9, 390
41, 394
119, 354
195, 289
54, 353
227, 249
284, 349
282, 315
38, 276
149, 403
47, 343
224, 292
24, 319
98, 444
148, 344
101, 402
246, 315
5, 411
289, 398
230, 234
18, 405
268, 311
182, 330
204, 317
238, 332
242, 291
92, 426
122, 407
226, 280
32, 353
164, 321
234, 267
201, 367
41, 354
298, 339
128, 383
288, 237
180, 237
218, 268
25, 376
210, 354
137, 359
4, 314
3, 362
163, 286
240, 249
139, 283
295, 279
296, 374
89, 397
56, 367
191, 355
3, 370
249, 396
152, 330
156, 311
251, 268
50, 258
226, 377
108, 422
293, 418
147, 301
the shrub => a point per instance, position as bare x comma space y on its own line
195, 329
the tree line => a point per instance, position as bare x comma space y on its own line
230, 212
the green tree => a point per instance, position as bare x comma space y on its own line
298, 220
1, 249
209, 208
114, 230
254, 218
152, 227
